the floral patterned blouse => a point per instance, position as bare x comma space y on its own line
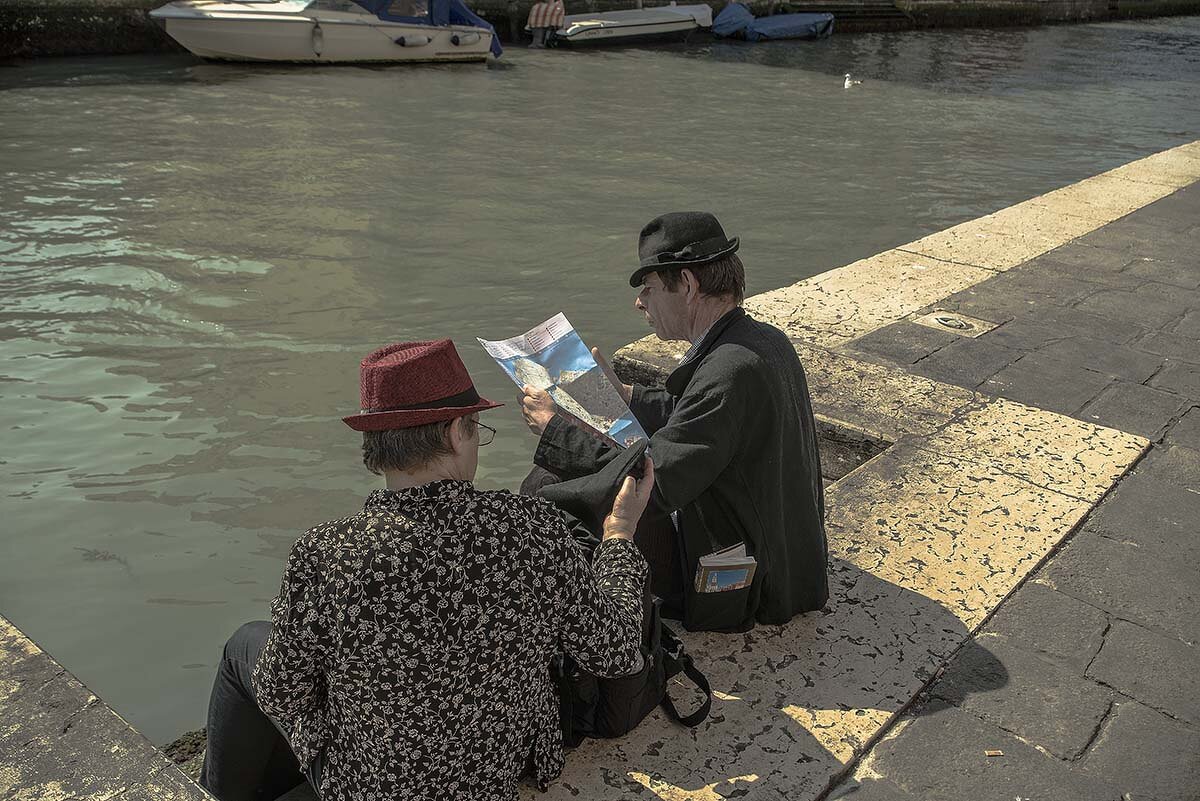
412, 641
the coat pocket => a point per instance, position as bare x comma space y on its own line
717, 611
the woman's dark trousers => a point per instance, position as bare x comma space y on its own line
248, 758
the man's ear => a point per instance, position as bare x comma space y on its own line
691, 284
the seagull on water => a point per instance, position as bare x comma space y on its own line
850, 82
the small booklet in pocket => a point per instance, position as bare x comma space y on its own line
724, 570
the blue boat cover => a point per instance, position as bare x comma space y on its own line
441, 12
736, 20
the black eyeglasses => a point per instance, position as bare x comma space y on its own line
486, 439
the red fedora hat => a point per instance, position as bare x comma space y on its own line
414, 383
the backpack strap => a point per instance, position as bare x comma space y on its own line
676, 660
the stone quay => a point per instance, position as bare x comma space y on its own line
1010, 423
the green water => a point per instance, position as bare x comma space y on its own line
193, 257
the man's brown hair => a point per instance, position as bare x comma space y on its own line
409, 448
725, 277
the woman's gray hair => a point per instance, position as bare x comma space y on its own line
408, 449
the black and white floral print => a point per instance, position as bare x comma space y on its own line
412, 641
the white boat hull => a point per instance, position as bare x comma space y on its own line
662, 22
319, 38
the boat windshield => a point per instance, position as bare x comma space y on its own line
411, 9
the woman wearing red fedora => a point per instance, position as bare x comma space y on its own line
407, 655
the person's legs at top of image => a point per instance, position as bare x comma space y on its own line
247, 758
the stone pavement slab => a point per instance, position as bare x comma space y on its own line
968, 362
1069, 456
1027, 334
1177, 347
1188, 325
1103, 357
1054, 627
1186, 431
1049, 383
1182, 378
1145, 755
940, 753
1132, 407
1181, 273
58, 741
1124, 580
1158, 671
1039, 702
1149, 305
1172, 464
1160, 516
904, 342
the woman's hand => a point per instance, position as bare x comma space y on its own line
630, 502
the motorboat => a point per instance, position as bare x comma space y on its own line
329, 31
636, 25
737, 21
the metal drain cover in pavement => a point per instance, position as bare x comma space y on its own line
955, 323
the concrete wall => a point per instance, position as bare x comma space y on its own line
987, 13
30, 28
79, 27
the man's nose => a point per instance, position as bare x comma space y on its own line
637, 303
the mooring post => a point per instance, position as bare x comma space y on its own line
513, 22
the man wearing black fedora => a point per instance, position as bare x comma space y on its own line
732, 434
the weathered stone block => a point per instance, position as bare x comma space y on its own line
904, 342
959, 531
1056, 627
1023, 333
1043, 704
1123, 579
967, 363
1158, 516
1188, 325
868, 789
941, 754
1083, 260
1173, 464
1173, 346
1133, 307
1186, 431
1068, 456
1182, 274
1105, 357
1179, 377
1135, 408
834, 307
1029, 281
1158, 671
1145, 755
1047, 383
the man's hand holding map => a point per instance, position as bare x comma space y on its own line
552, 357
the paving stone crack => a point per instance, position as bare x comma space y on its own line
1104, 719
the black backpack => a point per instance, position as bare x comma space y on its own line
611, 707
590, 706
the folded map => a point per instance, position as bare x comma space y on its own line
551, 356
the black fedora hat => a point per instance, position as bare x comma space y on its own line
681, 239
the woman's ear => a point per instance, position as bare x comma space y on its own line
456, 434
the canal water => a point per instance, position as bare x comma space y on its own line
193, 258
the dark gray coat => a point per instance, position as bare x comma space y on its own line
735, 452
